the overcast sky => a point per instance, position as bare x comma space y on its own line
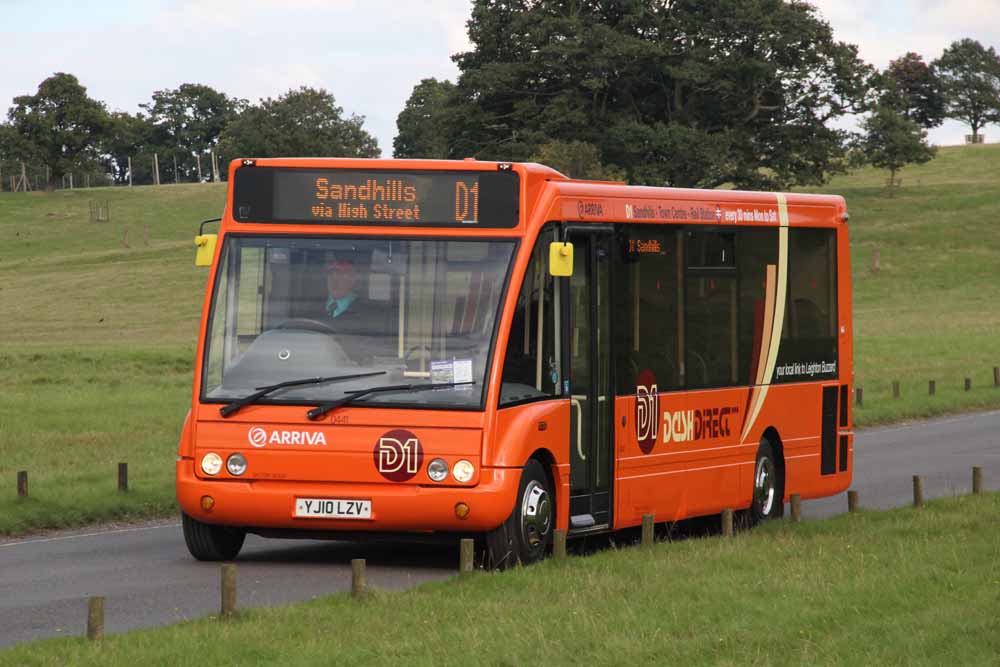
368, 53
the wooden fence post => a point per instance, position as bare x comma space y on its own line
918, 490
895, 388
647, 530
466, 552
852, 501
559, 544
727, 522
996, 376
796, 502
22, 484
931, 387
859, 396
228, 590
977, 479
968, 384
122, 477
95, 618
358, 585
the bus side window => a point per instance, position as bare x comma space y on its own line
531, 365
711, 310
808, 348
647, 308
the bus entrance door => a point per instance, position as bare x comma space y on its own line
588, 345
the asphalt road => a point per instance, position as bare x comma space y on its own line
149, 579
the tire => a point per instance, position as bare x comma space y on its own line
211, 543
768, 486
527, 533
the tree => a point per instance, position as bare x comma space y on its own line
304, 122
421, 123
970, 75
59, 125
577, 159
891, 141
911, 87
190, 119
685, 92
128, 136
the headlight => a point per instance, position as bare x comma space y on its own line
437, 470
463, 471
236, 464
211, 463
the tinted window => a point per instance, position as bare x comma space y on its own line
646, 306
809, 338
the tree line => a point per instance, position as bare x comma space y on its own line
61, 129
666, 92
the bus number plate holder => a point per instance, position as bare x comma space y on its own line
332, 508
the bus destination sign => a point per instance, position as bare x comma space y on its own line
376, 197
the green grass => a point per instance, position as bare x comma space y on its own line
97, 339
69, 415
915, 587
96, 349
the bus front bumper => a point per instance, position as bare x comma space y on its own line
270, 504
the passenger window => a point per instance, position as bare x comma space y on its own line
809, 337
648, 307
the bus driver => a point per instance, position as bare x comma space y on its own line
358, 322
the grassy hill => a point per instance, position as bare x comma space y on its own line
98, 328
931, 311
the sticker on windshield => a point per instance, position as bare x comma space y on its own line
451, 371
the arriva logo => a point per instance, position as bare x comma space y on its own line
259, 437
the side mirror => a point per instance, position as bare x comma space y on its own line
206, 249
560, 259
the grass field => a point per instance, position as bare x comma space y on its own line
96, 349
931, 312
913, 587
97, 339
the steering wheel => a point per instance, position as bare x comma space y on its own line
306, 323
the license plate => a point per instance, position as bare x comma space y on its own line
332, 508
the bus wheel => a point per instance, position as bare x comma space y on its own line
526, 534
767, 485
208, 542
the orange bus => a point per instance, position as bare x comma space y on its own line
460, 347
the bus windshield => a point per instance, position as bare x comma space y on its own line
394, 311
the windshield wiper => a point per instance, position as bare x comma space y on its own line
235, 406
323, 408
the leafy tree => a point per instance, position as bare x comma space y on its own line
891, 141
59, 125
685, 92
128, 136
911, 87
303, 123
189, 121
970, 74
577, 159
421, 123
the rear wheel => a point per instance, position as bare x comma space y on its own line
768, 485
213, 543
526, 534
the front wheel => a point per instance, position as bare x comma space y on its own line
526, 534
768, 486
212, 543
